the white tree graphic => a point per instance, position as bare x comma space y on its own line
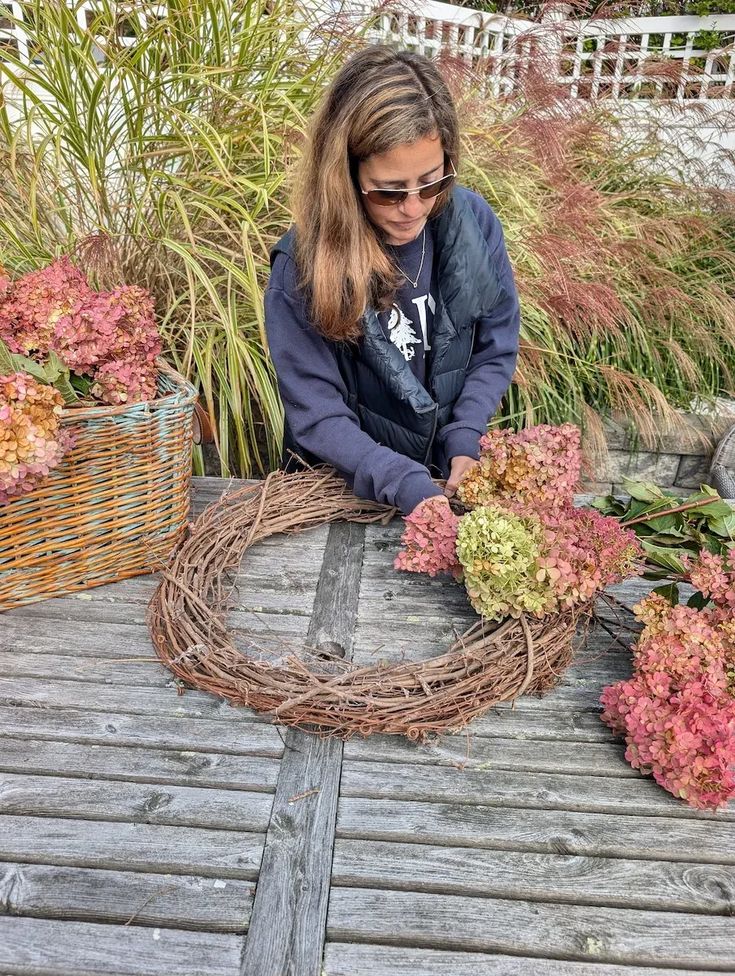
401, 333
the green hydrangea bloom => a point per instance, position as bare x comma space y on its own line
499, 552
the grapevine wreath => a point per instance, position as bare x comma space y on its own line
532, 599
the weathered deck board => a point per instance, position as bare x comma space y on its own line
638, 795
343, 959
98, 895
148, 731
542, 929
168, 767
526, 876
474, 752
543, 831
55, 796
286, 934
131, 846
32, 947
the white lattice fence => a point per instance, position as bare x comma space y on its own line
631, 57
648, 58
653, 57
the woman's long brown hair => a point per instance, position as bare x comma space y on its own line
379, 99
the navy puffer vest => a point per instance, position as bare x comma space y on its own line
391, 404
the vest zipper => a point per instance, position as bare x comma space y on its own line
472, 344
433, 434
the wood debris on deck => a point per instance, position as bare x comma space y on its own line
143, 831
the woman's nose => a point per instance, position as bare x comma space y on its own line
412, 206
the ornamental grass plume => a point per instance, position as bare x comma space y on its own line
31, 442
110, 337
538, 466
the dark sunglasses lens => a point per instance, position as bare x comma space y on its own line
433, 191
386, 198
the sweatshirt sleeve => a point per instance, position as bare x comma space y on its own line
494, 354
314, 399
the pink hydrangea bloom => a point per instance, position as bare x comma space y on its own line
430, 540
677, 712
110, 337
35, 305
538, 466
123, 382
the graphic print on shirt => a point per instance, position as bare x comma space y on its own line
401, 333
400, 327
421, 302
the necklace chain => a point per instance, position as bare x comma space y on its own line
421, 265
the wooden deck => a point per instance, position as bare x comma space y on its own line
147, 832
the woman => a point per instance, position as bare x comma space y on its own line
391, 311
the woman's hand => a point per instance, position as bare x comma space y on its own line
460, 465
431, 498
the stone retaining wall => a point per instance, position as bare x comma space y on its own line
681, 461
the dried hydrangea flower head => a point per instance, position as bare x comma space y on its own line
31, 442
429, 540
539, 467
110, 337
677, 712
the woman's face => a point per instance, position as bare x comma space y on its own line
405, 167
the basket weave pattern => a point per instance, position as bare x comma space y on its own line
114, 508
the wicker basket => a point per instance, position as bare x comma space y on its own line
722, 469
114, 508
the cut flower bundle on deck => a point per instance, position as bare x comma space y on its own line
522, 548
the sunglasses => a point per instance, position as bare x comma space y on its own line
391, 198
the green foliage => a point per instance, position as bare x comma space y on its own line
53, 371
709, 525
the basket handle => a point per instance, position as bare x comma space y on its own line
201, 430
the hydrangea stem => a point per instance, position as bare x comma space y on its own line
668, 511
6, 360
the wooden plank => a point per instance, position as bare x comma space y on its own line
547, 930
475, 752
148, 731
591, 794
56, 796
345, 959
620, 882
42, 947
543, 831
519, 722
85, 638
94, 895
142, 671
126, 700
164, 766
260, 596
131, 847
286, 934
